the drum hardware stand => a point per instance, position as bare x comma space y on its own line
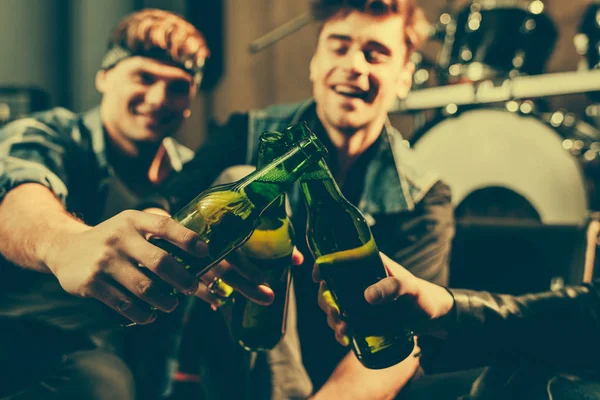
592, 255
520, 87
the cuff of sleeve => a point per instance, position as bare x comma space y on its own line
459, 350
13, 175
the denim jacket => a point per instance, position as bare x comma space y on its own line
395, 182
66, 152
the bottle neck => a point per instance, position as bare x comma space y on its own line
269, 149
319, 187
267, 184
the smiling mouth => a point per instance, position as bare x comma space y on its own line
351, 92
155, 119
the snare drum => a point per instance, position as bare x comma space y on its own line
507, 151
496, 39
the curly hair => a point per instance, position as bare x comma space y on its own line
416, 26
160, 34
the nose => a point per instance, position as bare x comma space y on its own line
355, 62
157, 94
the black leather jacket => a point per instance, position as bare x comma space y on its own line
559, 330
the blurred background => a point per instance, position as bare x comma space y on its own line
517, 174
57, 45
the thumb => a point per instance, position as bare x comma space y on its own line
384, 291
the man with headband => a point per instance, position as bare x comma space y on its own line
70, 256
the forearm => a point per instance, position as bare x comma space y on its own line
31, 220
352, 381
557, 329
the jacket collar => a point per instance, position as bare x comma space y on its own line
387, 188
170, 156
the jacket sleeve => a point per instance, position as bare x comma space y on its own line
32, 150
426, 236
558, 329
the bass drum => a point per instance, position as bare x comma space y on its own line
520, 198
495, 148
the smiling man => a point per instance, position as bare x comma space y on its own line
360, 66
69, 258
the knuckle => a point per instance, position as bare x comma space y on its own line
127, 215
114, 239
330, 322
123, 306
105, 258
161, 225
85, 291
119, 231
158, 261
87, 288
189, 238
333, 316
145, 287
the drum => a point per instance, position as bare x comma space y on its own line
520, 152
520, 196
496, 39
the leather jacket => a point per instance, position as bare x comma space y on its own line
558, 330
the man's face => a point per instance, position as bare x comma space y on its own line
143, 99
359, 69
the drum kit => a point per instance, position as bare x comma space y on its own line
525, 179
490, 126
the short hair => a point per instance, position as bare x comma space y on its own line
416, 27
160, 34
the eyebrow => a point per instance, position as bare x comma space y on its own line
336, 36
382, 48
373, 44
145, 70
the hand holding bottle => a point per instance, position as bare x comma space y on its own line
225, 216
236, 272
422, 305
102, 262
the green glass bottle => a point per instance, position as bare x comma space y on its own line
226, 215
256, 327
344, 249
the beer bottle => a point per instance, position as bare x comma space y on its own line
256, 327
225, 216
343, 247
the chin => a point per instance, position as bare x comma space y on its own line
347, 123
148, 137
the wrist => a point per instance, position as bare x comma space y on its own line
444, 318
47, 251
